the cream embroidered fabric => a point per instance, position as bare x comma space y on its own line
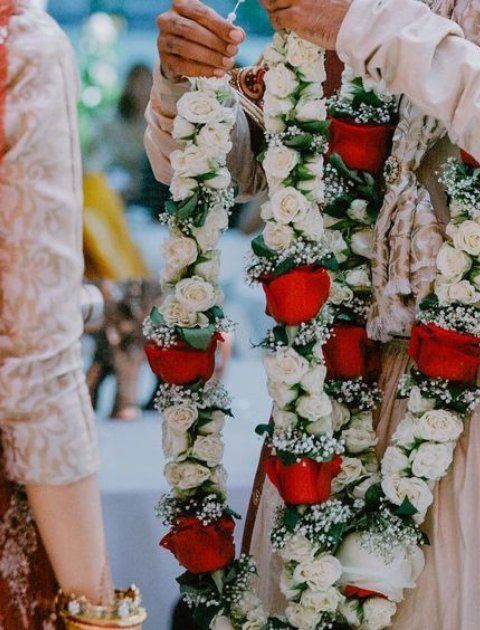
45, 413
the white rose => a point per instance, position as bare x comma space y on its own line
276, 107
180, 251
219, 478
222, 623
186, 475
340, 293
431, 461
320, 427
314, 379
208, 448
307, 57
208, 235
359, 277
311, 225
283, 419
340, 415
310, 109
199, 107
277, 236
362, 243
335, 243
322, 601
438, 425
275, 124
417, 403
286, 366
318, 574
170, 275
316, 166
280, 393
370, 461
215, 425
182, 129
397, 489
462, 291
405, 432
249, 602
358, 440
301, 617
313, 189
352, 470
378, 613
362, 420
313, 407
318, 352
370, 571
298, 549
190, 161
272, 56
351, 610
221, 180
289, 205
209, 269
175, 314
180, 417
195, 294
358, 211
287, 584
266, 211
215, 139
182, 187
174, 444
280, 161
467, 237
361, 489
280, 81
475, 277
395, 463
452, 263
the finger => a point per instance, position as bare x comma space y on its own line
176, 66
171, 45
187, 29
207, 17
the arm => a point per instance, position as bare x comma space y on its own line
161, 111
421, 55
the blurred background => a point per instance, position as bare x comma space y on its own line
115, 42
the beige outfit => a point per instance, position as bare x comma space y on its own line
418, 53
45, 414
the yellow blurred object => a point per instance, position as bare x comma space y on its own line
110, 252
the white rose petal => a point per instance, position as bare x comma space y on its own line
208, 448
221, 180
174, 444
191, 161
182, 129
277, 236
335, 242
222, 623
340, 293
196, 294
467, 237
397, 489
215, 425
362, 243
362, 420
311, 225
314, 379
180, 417
209, 269
405, 432
321, 426
378, 613
186, 475
358, 440
286, 366
176, 314
322, 601
417, 403
298, 548
314, 406
215, 139
351, 610
319, 573
361, 489
340, 415
431, 461
438, 425
199, 107
180, 252
280, 393
276, 107
352, 470
452, 263
182, 187
395, 463
280, 161
301, 617
287, 584
359, 277
311, 109
283, 419
280, 81
289, 205
358, 211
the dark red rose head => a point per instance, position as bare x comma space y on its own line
468, 159
181, 364
298, 295
362, 147
349, 353
201, 548
306, 482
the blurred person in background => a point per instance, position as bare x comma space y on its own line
46, 419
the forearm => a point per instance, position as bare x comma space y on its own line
421, 55
159, 142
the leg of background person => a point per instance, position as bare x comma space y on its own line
70, 522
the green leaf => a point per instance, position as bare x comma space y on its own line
262, 429
204, 615
286, 458
260, 249
218, 577
206, 176
156, 317
287, 265
337, 162
330, 263
300, 141
280, 335
171, 207
186, 210
315, 126
406, 508
291, 518
303, 174
373, 495
216, 311
305, 350
199, 338
232, 513
431, 301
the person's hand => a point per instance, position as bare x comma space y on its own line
318, 21
195, 41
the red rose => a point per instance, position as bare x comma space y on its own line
446, 354
181, 364
362, 146
468, 159
349, 353
306, 481
298, 295
201, 548
361, 593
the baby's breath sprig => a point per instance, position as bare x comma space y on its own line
355, 393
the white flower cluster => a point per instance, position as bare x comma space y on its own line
458, 261
462, 185
448, 395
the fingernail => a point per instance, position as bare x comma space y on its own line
236, 35
232, 50
227, 62
219, 73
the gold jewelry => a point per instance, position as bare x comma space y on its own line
124, 612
